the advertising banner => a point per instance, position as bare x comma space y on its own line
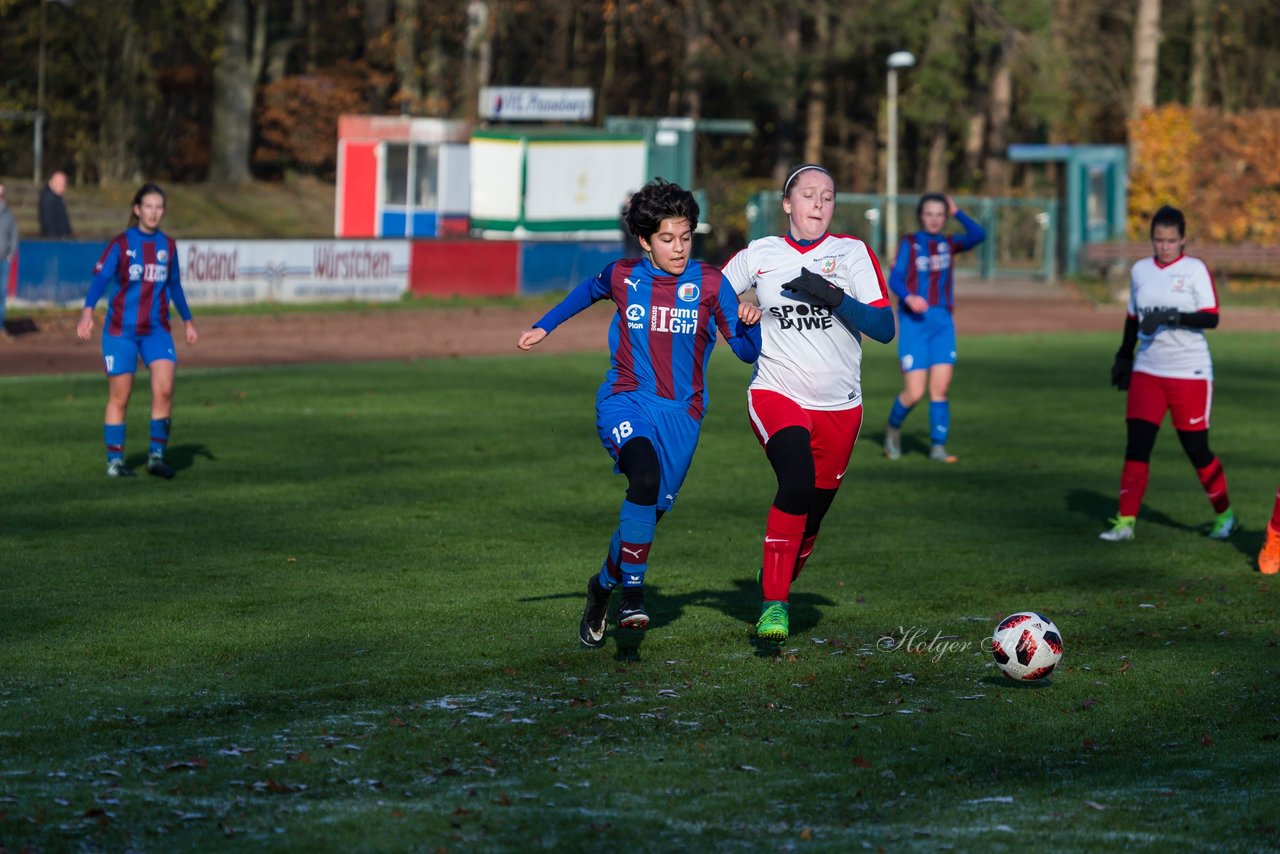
219, 272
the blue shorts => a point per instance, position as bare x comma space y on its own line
120, 352
670, 428
925, 340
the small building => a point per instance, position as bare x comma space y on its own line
402, 177
560, 183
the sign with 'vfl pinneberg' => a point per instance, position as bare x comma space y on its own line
536, 104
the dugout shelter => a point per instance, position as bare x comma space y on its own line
1093, 192
400, 176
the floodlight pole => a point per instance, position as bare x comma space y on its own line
898, 59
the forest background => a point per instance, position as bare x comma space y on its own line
228, 91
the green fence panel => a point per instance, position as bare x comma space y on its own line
1021, 233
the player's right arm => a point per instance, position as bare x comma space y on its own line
737, 271
904, 266
579, 299
103, 272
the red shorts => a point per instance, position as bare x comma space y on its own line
1187, 401
832, 433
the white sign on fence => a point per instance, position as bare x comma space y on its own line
244, 271
536, 104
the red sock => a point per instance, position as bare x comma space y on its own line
782, 536
1214, 482
1133, 485
1275, 514
806, 549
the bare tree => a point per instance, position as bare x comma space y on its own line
1146, 55
816, 107
1201, 34
408, 79
235, 71
478, 66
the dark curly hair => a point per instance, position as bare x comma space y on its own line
656, 201
1168, 215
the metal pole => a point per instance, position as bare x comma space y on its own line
891, 169
38, 164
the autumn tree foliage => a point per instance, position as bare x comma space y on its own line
1221, 169
297, 116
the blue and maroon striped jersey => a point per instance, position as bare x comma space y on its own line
664, 327
924, 264
142, 272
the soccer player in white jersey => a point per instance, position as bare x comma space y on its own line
819, 294
1172, 301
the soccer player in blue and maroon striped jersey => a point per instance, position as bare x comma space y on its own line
668, 311
923, 278
139, 273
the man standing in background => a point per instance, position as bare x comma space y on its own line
54, 221
8, 248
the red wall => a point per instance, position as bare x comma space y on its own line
464, 267
359, 179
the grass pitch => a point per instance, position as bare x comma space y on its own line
350, 622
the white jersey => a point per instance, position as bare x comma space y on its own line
1185, 284
806, 353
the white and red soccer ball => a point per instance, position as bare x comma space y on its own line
1027, 646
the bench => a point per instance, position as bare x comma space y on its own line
1222, 259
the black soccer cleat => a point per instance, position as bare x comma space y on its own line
631, 614
591, 629
156, 466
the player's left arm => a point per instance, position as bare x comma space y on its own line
867, 309
179, 297
1206, 296
973, 234
744, 340
1205, 316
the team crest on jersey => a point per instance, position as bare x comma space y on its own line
688, 292
162, 255
827, 266
1180, 284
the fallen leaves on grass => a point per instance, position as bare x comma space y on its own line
275, 787
187, 764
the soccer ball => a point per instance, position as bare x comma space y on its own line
1027, 646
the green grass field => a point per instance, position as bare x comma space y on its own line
350, 623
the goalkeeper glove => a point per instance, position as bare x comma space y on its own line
812, 285
1156, 318
1121, 371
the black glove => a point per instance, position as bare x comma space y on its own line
1154, 319
816, 287
1121, 370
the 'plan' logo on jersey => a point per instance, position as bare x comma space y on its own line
688, 292
635, 316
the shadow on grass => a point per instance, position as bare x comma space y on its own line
179, 457
742, 603
1095, 505
1017, 684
